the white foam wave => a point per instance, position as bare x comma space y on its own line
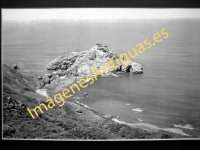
150, 127
137, 110
118, 121
175, 130
85, 105
187, 126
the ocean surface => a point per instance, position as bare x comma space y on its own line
167, 94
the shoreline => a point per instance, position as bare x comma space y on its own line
144, 126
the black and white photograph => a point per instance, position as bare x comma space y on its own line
100, 73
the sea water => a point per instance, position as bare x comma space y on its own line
166, 95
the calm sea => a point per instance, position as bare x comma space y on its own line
167, 94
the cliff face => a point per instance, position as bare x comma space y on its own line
82, 62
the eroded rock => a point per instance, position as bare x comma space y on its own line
81, 63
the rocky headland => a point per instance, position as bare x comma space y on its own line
74, 120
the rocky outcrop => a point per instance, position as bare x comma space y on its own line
135, 68
62, 63
9, 103
81, 63
44, 80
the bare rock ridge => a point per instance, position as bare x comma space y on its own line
81, 63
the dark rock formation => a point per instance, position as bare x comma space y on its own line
85, 94
15, 67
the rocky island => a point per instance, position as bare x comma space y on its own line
82, 62
74, 120
76, 65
